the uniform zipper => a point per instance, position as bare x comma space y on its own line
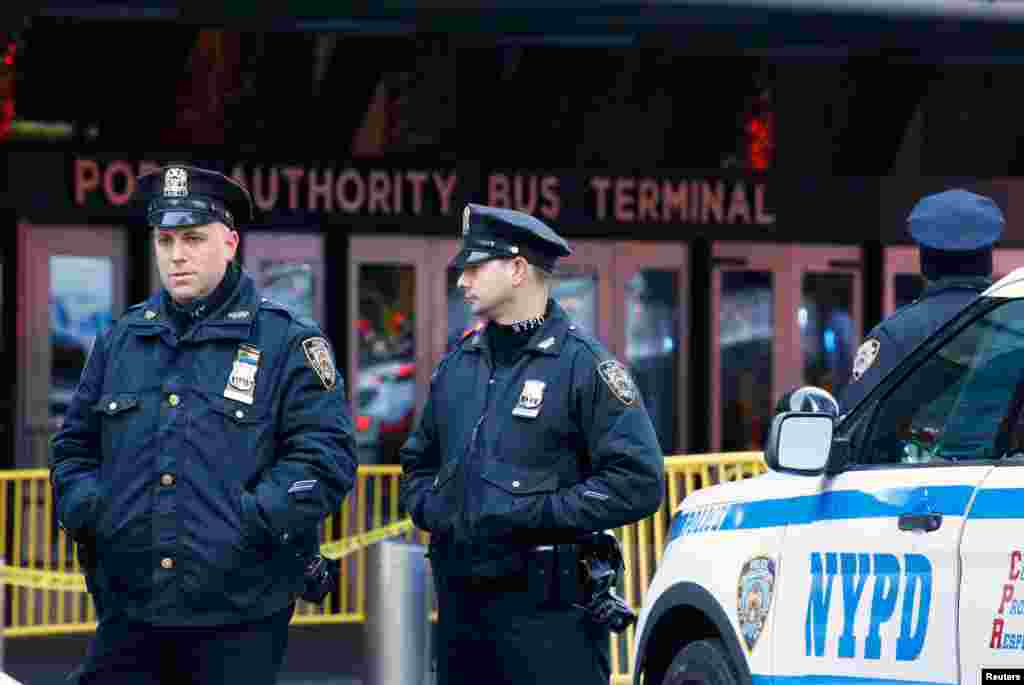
472, 477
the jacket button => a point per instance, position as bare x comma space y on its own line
112, 406
167, 480
174, 400
167, 562
239, 414
284, 537
516, 484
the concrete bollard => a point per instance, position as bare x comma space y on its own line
396, 614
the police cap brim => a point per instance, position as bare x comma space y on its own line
469, 256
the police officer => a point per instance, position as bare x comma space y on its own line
955, 231
533, 437
207, 439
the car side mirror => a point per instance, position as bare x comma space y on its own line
799, 442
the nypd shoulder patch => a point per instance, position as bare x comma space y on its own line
618, 380
867, 354
318, 355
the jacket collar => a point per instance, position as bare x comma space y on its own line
233, 320
979, 283
546, 340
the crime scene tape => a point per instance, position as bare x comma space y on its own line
38, 579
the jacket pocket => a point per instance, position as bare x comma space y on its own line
441, 505
245, 432
120, 415
512, 498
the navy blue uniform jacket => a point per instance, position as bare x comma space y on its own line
199, 504
557, 445
898, 336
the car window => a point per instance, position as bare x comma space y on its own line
963, 403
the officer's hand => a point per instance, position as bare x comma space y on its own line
321, 576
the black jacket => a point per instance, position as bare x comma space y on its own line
557, 445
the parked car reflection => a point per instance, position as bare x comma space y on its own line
385, 406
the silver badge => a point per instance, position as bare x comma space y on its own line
530, 400
546, 343
465, 220
618, 381
176, 182
754, 598
241, 385
241, 314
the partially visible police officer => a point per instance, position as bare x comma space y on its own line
955, 230
533, 439
207, 439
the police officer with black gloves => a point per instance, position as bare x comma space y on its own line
955, 231
207, 439
534, 441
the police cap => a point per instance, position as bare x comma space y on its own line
494, 233
955, 230
179, 196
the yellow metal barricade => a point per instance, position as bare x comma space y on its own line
46, 589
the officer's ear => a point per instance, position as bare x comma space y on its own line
520, 270
231, 240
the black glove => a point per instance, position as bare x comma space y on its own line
321, 576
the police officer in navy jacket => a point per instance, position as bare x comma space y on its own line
955, 231
533, 437
207, 439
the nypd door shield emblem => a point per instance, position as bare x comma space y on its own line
618, 381
242, 381
318, 354
175, 182
530, 400
754, 598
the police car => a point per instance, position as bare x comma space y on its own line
883, 546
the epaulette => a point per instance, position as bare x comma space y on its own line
589, 341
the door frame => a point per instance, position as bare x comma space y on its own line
36, 244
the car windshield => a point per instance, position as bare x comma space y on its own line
964, 402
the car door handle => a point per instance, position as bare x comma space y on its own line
925, 522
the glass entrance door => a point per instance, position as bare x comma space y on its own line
289, 269
390, 359
72, 281
782, 316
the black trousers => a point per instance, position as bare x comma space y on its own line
500, 633
130, 653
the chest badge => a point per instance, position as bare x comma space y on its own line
242, 381
530, 400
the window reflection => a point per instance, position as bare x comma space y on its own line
386, 387
575, 289
828, 332
652, 348
745, 342
290, 283
81, 308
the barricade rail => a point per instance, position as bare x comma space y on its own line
46, 591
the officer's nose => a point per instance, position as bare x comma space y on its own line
178, 250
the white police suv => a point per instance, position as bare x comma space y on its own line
884, 546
